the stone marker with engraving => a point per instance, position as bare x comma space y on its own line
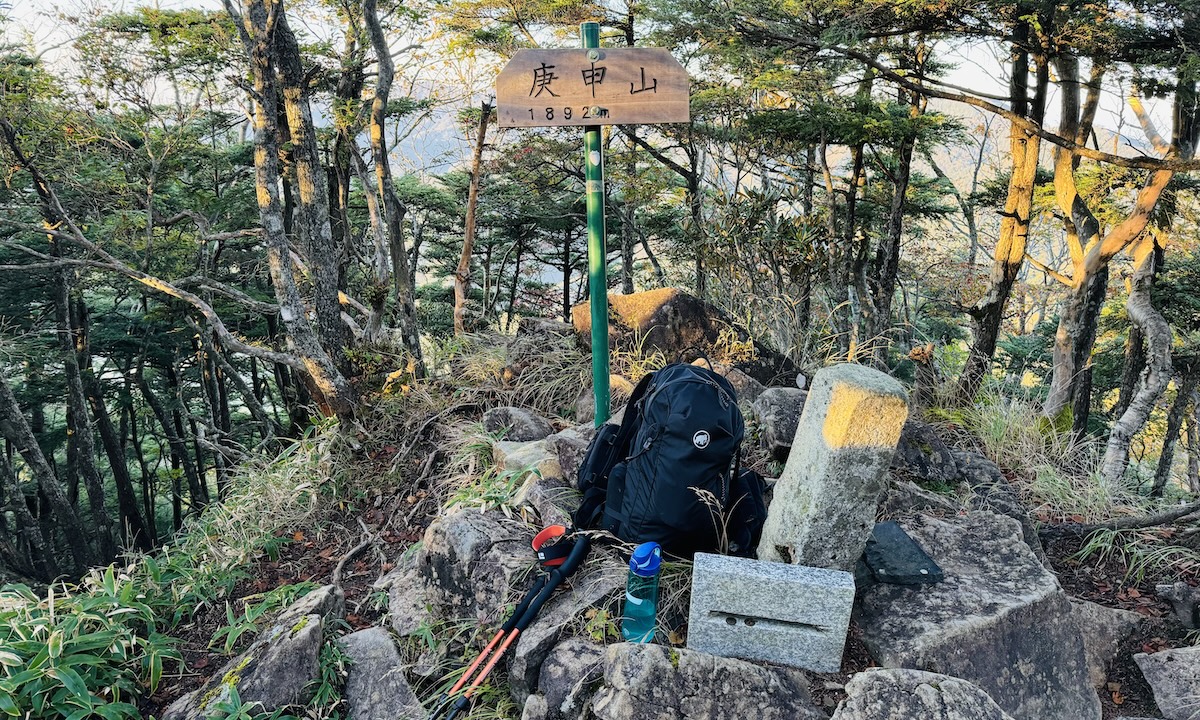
824, 504
769, 611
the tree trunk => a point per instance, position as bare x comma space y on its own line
27, 527
1193, 448
173, 429
566, 270
316, 233
462, 274
147, 476
1135, 362
79, 425
393, 210
1158, 365
257, 25
16, 431
131, 517
988, 314
1183, 397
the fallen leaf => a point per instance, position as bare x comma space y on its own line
298, 536
1118, 698
201, 663
1134, 593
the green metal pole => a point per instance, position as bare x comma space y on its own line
593, 164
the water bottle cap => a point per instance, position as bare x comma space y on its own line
646, 559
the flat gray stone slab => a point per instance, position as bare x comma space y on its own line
775, 612
1174, 676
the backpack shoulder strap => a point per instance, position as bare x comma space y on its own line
595, 491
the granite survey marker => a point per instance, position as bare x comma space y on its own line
824, 505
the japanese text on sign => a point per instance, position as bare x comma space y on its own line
541, 88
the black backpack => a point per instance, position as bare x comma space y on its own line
670, 472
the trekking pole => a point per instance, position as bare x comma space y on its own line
521, 618
504, 629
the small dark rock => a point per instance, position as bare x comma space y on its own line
778, 412
922, 454
1185, 601
516, 424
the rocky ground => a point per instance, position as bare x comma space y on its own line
440, 600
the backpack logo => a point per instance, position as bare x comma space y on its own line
701, 439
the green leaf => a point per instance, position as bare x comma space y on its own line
8, 706
10, 659
55, 644
73, 682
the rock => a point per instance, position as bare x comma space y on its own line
824, 504
619, 390
552, 499
1104, 629
778, 412
536, 338
598, 585
570, 446
327, 601
375, 685
1185, 601
411, 599
273, 672
747, 388
1174, 676
922, 454
518, 456
516, 424
769, 611
894, 557
998, 620
568, 679
991, 491
652, 682
905, 497
914, 695
476, 561
672, 322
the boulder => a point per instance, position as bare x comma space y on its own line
533, 456
1104, 629
922, 454
272, 673
1185, 602
516, 424
277, 667
999, 620
568, 679
653, 682
991, 491
412, 600
823, 507
599, 584
777, 411
914, 695
672, 322
905, 497
570, 446
747, 388
1174, 676
375, 685
476, 561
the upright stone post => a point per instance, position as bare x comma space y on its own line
824, 504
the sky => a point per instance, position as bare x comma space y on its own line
439, 144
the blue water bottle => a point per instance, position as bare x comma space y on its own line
641, 594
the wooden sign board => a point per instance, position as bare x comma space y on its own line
606, 86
